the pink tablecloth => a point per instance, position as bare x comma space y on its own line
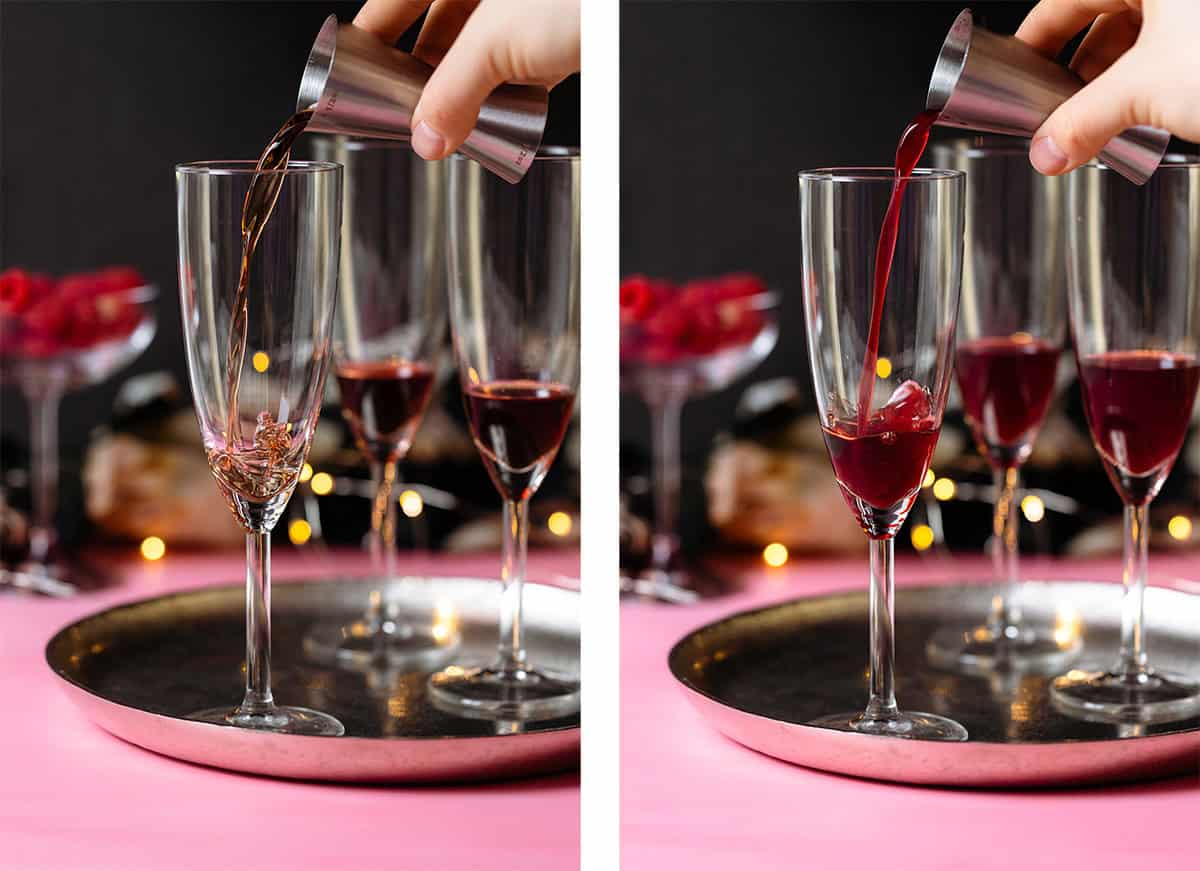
73, 796
693, 799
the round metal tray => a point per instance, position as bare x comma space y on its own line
138, 670
760, 676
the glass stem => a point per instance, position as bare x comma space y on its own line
258, 698
382, 538
512, 580
1133, 638
665, 415
43, 424
882, 705
1006, 607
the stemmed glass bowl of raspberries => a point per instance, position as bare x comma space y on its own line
680, 341
58, 335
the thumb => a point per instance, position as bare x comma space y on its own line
1079, 129
469, 72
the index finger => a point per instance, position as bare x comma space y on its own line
1052, 23
388, 19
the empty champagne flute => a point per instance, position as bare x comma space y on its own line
881, 420
1011, 328
258, 393
1134, 282
514, 316
389, 337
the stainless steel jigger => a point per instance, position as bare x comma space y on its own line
361, 86
997, 84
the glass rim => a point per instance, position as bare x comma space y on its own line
364, 143
249, 167
983, 146
1172, 160
545, 154
876, 174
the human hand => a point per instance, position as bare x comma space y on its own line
1141, 60
475, 46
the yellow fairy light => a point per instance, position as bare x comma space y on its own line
944, 489
322, 483
1180, 527
921, 536
472, 375
306, 473
1033, 508
260, 361
1067, 626
775, 554
883, 367
559, 523
411, 503
1021, 338
930, 477
299, 531
153, 548
445, 621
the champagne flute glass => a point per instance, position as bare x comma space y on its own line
880, 453
514, 316
389, 334
1134, 288
1011, 327
258, 395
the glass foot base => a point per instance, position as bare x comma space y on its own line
492, 694
684, 584
984, 650
292, 721
671, 587
392, 644
42, 581
59, 579
905, 724
1146, 697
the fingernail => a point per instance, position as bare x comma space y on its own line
427, 142
1047, 157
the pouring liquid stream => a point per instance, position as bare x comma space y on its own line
908, 154
261, 469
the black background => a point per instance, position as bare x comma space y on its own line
98, 102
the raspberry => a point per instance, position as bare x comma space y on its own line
638, 298
119, 278
48, 317
738, 285
16, 292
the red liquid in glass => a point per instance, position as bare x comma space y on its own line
880, 459
1138, 405
880, 465
1006, 385
908, 154
518, 426
883, 463
382, 402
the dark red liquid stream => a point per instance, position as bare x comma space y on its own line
1006, 384
880, 460
382, 402
1138, 405
518, 426
908, 154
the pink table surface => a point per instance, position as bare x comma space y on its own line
73, 796
690, 798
